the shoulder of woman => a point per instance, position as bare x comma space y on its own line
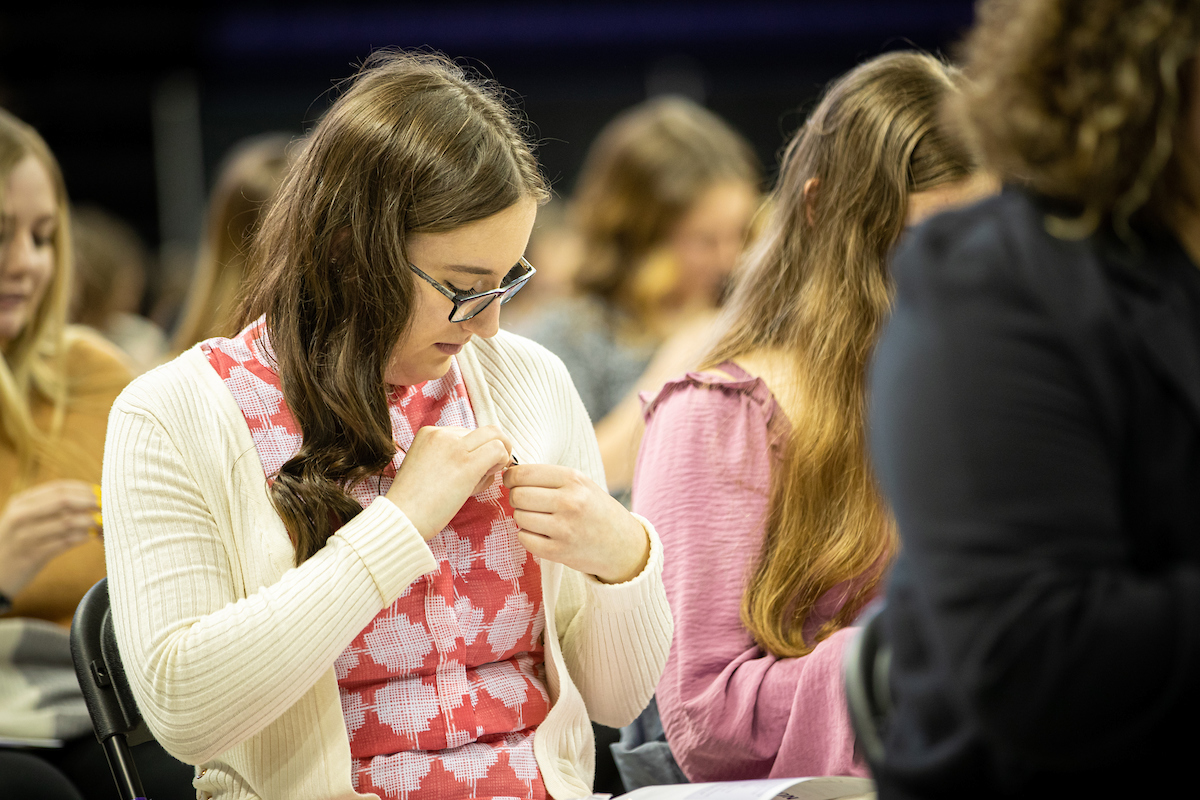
94, 363
186, 381
710, 393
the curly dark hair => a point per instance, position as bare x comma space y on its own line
1079, 100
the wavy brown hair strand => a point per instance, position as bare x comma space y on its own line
816, 286
415, 145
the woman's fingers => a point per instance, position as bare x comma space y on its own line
547, 476
565, 517
54, 498
533, 498
540, 546
543, 524
39, 524
443, 468
487, 434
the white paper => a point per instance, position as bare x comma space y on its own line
822, 788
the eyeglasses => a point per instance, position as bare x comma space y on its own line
467, 306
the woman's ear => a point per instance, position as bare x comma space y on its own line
812, 188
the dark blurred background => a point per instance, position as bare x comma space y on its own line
141, 105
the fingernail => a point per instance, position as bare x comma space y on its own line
96, 492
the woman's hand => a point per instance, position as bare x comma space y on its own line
567, 518
40, 523
444, 467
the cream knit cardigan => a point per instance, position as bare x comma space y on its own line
230, 649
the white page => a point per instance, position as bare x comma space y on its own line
822, 788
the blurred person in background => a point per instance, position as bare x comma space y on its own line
246, 181
663, 207
57, 383
754, 468
1035, 422
110, 277
556, 248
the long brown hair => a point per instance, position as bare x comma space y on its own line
644, 171
414, 145
34, 361
1079, 100
816, 286
247, 180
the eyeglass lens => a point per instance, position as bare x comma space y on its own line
474, 307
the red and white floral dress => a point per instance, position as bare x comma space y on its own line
442, 692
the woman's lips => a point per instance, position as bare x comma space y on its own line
449, 349
11, 301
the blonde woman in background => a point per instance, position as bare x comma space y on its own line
248, 178
56, 386
754, 469
662, 207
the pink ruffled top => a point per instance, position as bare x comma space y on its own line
730, 710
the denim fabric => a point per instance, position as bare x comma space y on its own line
643, 756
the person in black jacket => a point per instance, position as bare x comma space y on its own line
1035, 422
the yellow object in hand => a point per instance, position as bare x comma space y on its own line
96, 518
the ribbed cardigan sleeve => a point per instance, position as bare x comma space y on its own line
211, 661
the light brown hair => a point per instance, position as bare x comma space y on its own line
1079, 100
414, 145
641, 175
246, 181
110, 267
816, 286
34, 361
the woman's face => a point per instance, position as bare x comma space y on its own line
473, 258
706, 243
28, 221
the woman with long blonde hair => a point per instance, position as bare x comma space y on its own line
755, 468
57, 383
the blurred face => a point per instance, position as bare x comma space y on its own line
473, 258
943, 197
28, 221
706, 243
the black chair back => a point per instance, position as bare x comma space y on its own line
866, 663
110, 704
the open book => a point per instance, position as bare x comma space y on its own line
835, 787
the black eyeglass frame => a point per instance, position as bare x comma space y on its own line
505, 293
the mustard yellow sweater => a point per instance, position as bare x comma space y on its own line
97, 372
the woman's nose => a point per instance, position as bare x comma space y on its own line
486, 322
18, 254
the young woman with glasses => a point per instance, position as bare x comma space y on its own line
364, 545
